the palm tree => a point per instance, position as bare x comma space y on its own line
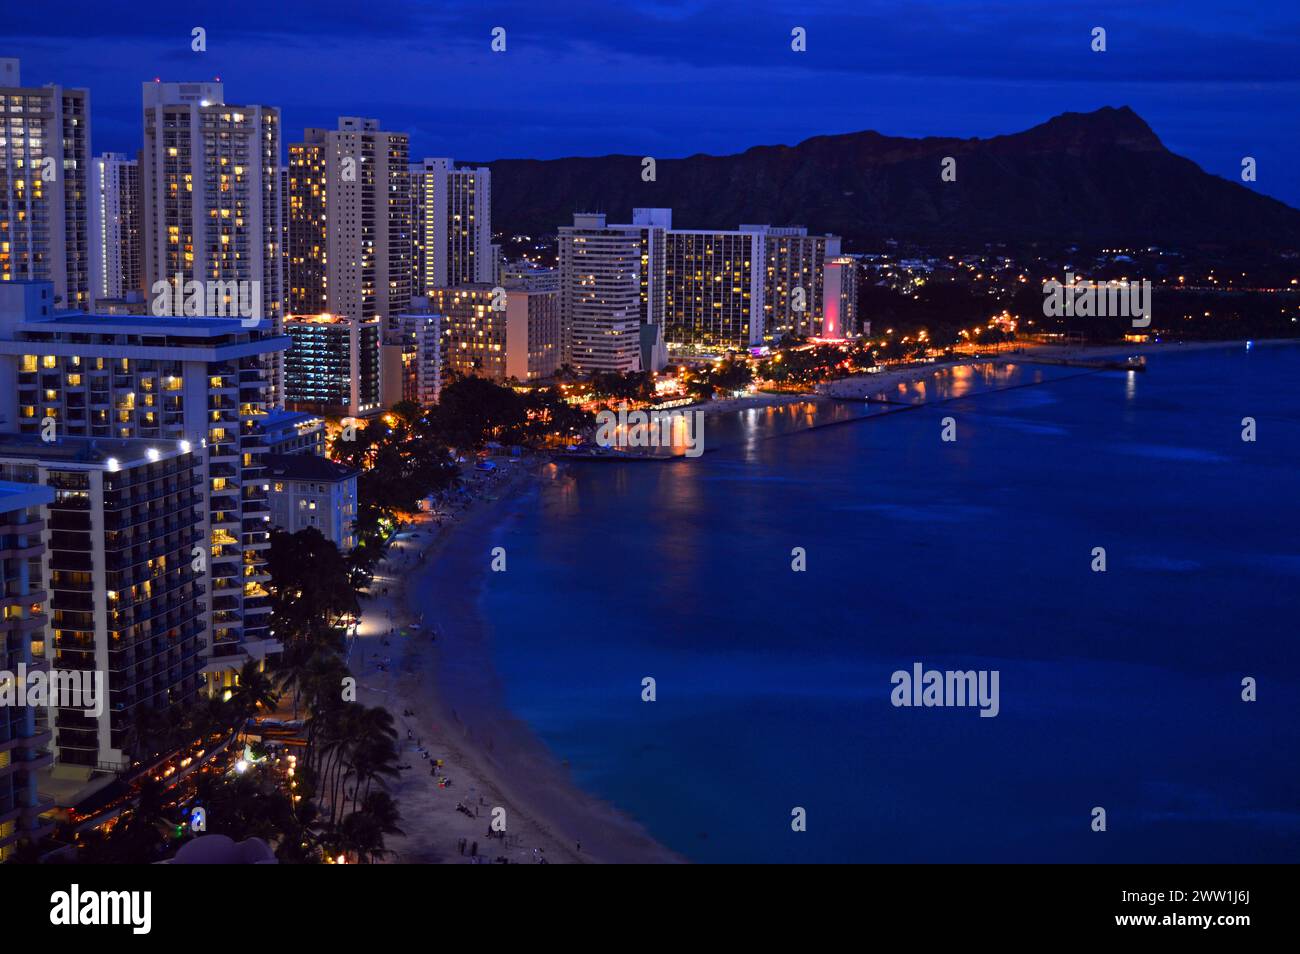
254, 691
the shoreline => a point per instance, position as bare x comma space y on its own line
492, 758
448, 696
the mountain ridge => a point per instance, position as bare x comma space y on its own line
1103, 176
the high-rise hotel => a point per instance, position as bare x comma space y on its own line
126, 593
794, 270
350, 238
499, 332
714, 290
44, 190
700, 292
452, 225
601, 294
212, 206
201, 382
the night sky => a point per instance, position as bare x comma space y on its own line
1216, 81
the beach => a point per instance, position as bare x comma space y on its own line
447, 704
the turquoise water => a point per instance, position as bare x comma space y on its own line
1119, 690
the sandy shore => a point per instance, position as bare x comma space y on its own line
445, 693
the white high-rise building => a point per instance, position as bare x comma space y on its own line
202, 381
116, 265
212, 205
452, 215
600, 294
350, 240
44, 192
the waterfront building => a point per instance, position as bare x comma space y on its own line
714, 290
124, 566
600, 294
794, 265
311, 491
212, 205
200, 380
840, 298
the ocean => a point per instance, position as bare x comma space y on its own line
1119, 690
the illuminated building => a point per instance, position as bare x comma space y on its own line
452, 225
293, 432
310, 491
350, 221
332, 366
125, 590
415, 345
44, 195
600, 294
713, 291
201, 380
840, 298
519, 339
116, 265
794, 270
212, 205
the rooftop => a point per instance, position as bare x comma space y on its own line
306, 467
108, 451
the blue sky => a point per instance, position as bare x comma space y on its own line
1216, 81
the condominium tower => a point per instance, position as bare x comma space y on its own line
212, 205
44, 189
350, 239
333, 365
452, 225
117, 254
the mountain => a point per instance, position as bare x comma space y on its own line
1102, 177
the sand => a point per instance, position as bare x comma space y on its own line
491, 758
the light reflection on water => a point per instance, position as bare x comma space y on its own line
775, 685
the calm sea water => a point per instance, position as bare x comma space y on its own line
1119, 689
